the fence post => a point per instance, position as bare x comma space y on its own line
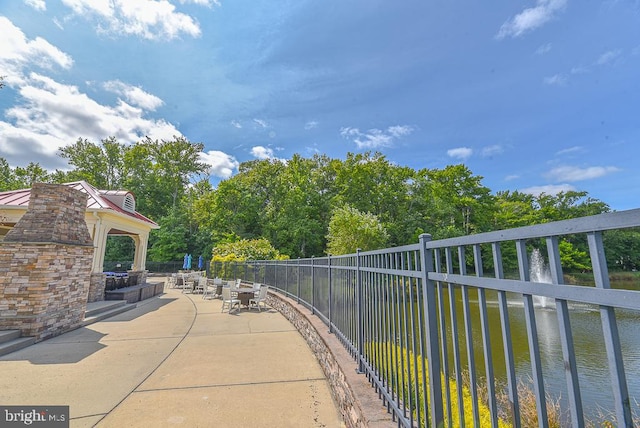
313, 289
298, 293
431, 332
330, 292
359, 314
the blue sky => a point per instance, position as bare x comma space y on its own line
532, 95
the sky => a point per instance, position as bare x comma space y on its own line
532, 95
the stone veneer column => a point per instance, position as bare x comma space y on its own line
45, 264
96, 287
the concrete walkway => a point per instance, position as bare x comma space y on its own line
176, 360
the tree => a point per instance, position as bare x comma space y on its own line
454, 201
159, 172
622, 249
7, 178
295, 221
247, 249
33, 173
100, 165
350, 230
370, 183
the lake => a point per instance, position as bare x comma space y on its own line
588, 339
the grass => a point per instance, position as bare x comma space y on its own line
621, 280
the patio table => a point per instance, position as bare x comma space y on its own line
244, 295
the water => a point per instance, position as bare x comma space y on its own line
539, 272
588, 339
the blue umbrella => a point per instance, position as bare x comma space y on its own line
189, 261
184, 263
200, 263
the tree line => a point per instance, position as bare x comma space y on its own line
308, 206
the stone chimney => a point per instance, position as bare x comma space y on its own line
45, 264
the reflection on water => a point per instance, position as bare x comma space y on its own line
591, 357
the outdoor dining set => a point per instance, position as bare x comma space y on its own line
233, 293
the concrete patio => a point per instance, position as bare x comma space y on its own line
176, 360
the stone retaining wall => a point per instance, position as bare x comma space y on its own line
357, 400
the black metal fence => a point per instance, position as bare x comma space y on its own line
435, 325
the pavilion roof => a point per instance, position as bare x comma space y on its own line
97, 200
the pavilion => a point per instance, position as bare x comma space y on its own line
109, 213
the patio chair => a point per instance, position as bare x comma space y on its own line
260, 298
228, 301
172, 280
200, 285
187, 283
209, 288
233, 286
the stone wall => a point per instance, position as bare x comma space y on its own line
45, 264
96, 287
357, 400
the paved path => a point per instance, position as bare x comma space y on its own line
176, 360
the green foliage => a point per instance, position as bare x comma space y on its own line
99, 165
623, 249
119, 249
408, 368
573, 259
351, 229
170, 241
292, 204
246, 249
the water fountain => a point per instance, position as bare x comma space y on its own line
539, 272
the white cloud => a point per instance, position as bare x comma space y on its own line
572, 173
580, 69
493, 150
312, 124
569, 150
375, 138
553, 189
18, 53
531, 18
399, 130
134, 95
221, 164
608, 57
58, 23
262, 152
543, 49
208, 3
51, 115
462, 153
511, 177
261, 123
558, 80
236, 124
149, 19
36, 4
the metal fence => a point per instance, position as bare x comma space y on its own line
431, 324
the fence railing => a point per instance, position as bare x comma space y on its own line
435, 326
